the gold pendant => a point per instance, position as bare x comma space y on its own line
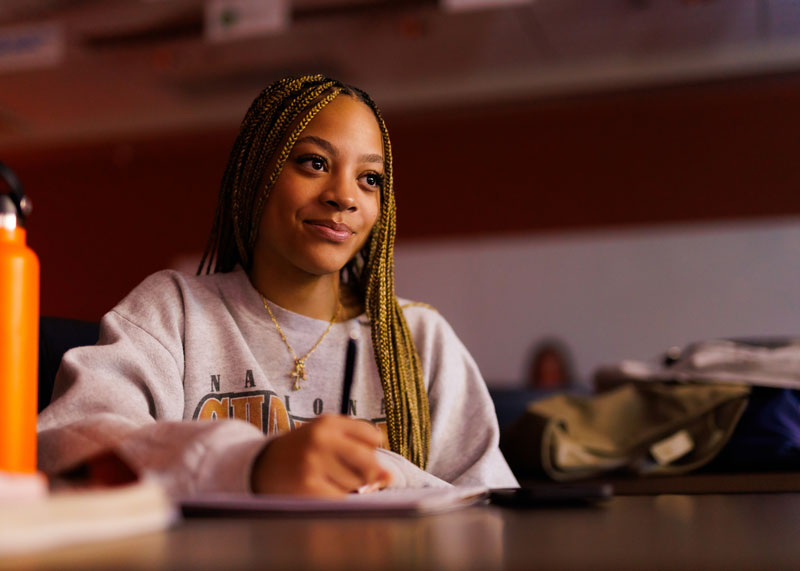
299, 373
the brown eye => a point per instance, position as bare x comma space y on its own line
313, 162
373, 179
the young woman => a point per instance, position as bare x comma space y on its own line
299, 259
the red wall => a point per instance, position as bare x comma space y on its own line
108, 213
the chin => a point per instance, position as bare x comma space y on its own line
322, 267
321, 261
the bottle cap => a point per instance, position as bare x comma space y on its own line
14, 205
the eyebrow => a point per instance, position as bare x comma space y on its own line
325, 144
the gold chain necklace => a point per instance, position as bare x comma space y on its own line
299, 372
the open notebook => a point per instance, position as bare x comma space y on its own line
390, 501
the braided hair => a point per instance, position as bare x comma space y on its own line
266, 137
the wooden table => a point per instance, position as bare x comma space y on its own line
735, 531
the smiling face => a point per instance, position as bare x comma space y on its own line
326, 199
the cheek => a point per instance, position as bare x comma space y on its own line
282, 205
371, 216
373, 212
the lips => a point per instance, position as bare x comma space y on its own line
329, 229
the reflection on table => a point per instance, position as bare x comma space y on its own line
736, 531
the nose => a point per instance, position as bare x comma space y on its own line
341, 194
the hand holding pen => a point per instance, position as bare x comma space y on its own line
329, 457
347, 387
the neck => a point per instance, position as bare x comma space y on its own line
312, 296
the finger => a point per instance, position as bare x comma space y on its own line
343, 478
362, 460
325, 487
318, 472
358, 429
346, 461
362, 430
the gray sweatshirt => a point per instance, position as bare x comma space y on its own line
184, 348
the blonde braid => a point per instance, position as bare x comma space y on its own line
293, 103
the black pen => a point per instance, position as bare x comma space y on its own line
349, 370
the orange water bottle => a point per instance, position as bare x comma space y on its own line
19, 331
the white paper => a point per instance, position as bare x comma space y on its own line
402, 500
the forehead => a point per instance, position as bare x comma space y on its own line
347, 122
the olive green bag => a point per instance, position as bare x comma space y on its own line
647, 428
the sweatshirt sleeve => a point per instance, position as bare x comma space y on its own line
126, 395
464, 434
